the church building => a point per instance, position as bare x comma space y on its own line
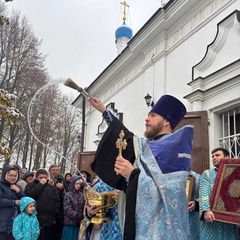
189, 49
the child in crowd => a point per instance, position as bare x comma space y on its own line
25, 225
73, 204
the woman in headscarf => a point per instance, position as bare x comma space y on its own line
73, 205
10, 195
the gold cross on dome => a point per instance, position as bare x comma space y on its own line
124, 9
121, 143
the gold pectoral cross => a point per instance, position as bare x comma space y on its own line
121, 143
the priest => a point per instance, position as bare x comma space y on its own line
151, 171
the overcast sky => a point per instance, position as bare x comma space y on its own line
79, 35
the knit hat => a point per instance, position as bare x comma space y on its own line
24, 170
27, 174
170, 108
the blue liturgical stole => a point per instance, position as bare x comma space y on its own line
173, 152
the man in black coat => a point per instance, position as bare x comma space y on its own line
48, 203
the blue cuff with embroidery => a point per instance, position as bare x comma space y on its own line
108, 116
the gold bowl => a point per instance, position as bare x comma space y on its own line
103, 200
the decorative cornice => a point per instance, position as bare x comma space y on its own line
197, 95
232, 21
171, 35
203, 95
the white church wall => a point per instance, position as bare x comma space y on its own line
164, 66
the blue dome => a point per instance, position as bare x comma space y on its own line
124, 31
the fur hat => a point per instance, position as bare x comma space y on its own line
170, 108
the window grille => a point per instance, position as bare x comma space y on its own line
231, 132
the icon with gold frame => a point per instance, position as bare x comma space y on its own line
225, 196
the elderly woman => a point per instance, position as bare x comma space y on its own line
10, 195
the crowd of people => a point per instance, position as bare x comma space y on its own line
45, 205
148, 180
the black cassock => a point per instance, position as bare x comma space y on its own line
103, 166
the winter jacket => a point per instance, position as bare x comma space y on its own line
25, 226
73, 204
48, 201
8, 209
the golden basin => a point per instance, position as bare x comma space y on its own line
103, 200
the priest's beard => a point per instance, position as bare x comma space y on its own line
153, 131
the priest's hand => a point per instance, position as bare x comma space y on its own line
97, 103
209, 216
123, 167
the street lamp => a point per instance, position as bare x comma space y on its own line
148, 99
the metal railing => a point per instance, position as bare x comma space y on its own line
231, 132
